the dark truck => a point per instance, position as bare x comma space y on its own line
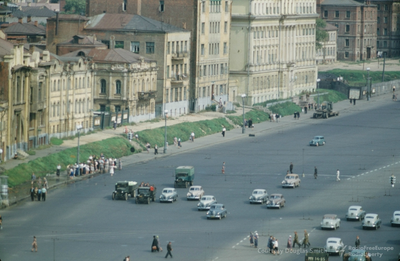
317, 254
325, 111
146, 194
184, 176
125, 189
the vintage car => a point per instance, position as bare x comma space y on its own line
125, 189
168, 195
356, 255
259, 196
146, 194
206, 202
371, 221
334, 245
217, 211
317, 141
330, 221
276, 201
355, 213
395, 221
195, 192
291, 181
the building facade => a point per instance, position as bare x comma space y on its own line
357, 27
327, 53
272, 49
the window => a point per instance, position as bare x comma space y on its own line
203, 6
347, 14
377, 31
385, 19
106, 43
202, 49
386, 8
117, 108
135, 47
161, 8
378, 7
205, 70
226, 6
347, 44
384, 43
346, 55
167, 71
149, 47
225, 27
119, 44
385, 31
40, 91
102, 86
225, 48
326, 13
337, 25
377, 44
203, 26
378, 20
347, 28
118, 87
336, 14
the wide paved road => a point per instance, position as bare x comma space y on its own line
81, 222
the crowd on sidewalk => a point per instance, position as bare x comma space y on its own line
94, 164
39, 188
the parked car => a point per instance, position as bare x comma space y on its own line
291, 181
259, 196
334, 245
355, 213
217, 211
195, 192
206, 202
317, 141
276, 201
396, 218
168, 195
330, 221
371, 221
356, 255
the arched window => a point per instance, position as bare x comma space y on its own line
103, 86
117, 87
143, 87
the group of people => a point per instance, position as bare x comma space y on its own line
156, 248
177, 142
274, 117
39, 188
248, 123
95, 164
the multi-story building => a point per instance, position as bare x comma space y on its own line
357, 27
327, 53
209, 23
272, 49
388, 27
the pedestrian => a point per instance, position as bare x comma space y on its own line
298, 115
115, 125
251, 239
148, 147
354, 101
276, 249
192, 136
223, 167
137, 137
250, 123
290, 242
33, 177
71, 173
291, 167
115, 162
351, 101
245, 123
270, 244
154, 245
256, 240
315, 172
175, 141
394, 88
296, 239
120, 164
295, 115
32, 190
44, 192
337, 175
35, 193
45, 184
223, 131
34, 244
169, 250
58, 170
179, 143
155, 149
39, 194
111, 169
306, 241
357, 243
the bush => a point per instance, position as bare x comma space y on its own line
55, 141
284, 109
31, 152
256, 116
360, 77
332, 96
212, 107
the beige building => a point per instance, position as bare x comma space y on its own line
327, 54
272, 53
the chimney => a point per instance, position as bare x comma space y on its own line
28, 19
36, 23
20, 20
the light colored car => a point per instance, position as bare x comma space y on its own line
217, 211
168, 195
206, 202
317, 141
195, 192
371, 221
276, 201
395, 221
291, 181
355, 213
259, 196
356, 255
334, 245
330, 221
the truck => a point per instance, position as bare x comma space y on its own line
325, 111
317, 254
184, 176
146, 194
125, 189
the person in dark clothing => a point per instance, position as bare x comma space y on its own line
250, 123
315, 172
39, 194
270, 245
291, 167
357, 243
169, 250
32, 193
354, 101
154, 245
296, 239
298, 115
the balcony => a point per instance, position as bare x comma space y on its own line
179, 56
179, 79
146, 96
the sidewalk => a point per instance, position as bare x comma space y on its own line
344, 107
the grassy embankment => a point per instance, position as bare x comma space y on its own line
360, 77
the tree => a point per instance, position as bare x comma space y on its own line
75, 6
321, 35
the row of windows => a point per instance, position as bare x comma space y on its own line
81, 106
213, 49
177, 47
80, 83
175, 94
385, 20
214, 6
385, 7
135, 47
214, 27
347, 14
144, 86
267, 32
213, 69
367, 42
385, 31
211, 91
274, 8
176, 70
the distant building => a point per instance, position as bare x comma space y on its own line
327, 54
78, 42
19, 32
31, 14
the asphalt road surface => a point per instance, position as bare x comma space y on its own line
82, 222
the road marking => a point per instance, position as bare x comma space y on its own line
375, 170
241, 241
358, 175
367, 172
353, 177
348, 179
362, 174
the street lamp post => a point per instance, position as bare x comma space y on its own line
368, 85
78, 129
318, 80
243, 127
165, 134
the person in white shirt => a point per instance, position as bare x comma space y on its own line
337, 175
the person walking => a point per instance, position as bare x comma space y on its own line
32, 191
34, 244
120, 164
276, 249
223, 167
296, 239
44, 192
192, 136
148, 147
115, 125
45, 183
306, 241
58, 170
315, 172
175, 141
291, 167
337, 175
154, 245
357, 243
223, 132
33, 178
290, 242
251, 239
155, 149
270, 244
256, 240
169, 250
179, 143
39, 194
